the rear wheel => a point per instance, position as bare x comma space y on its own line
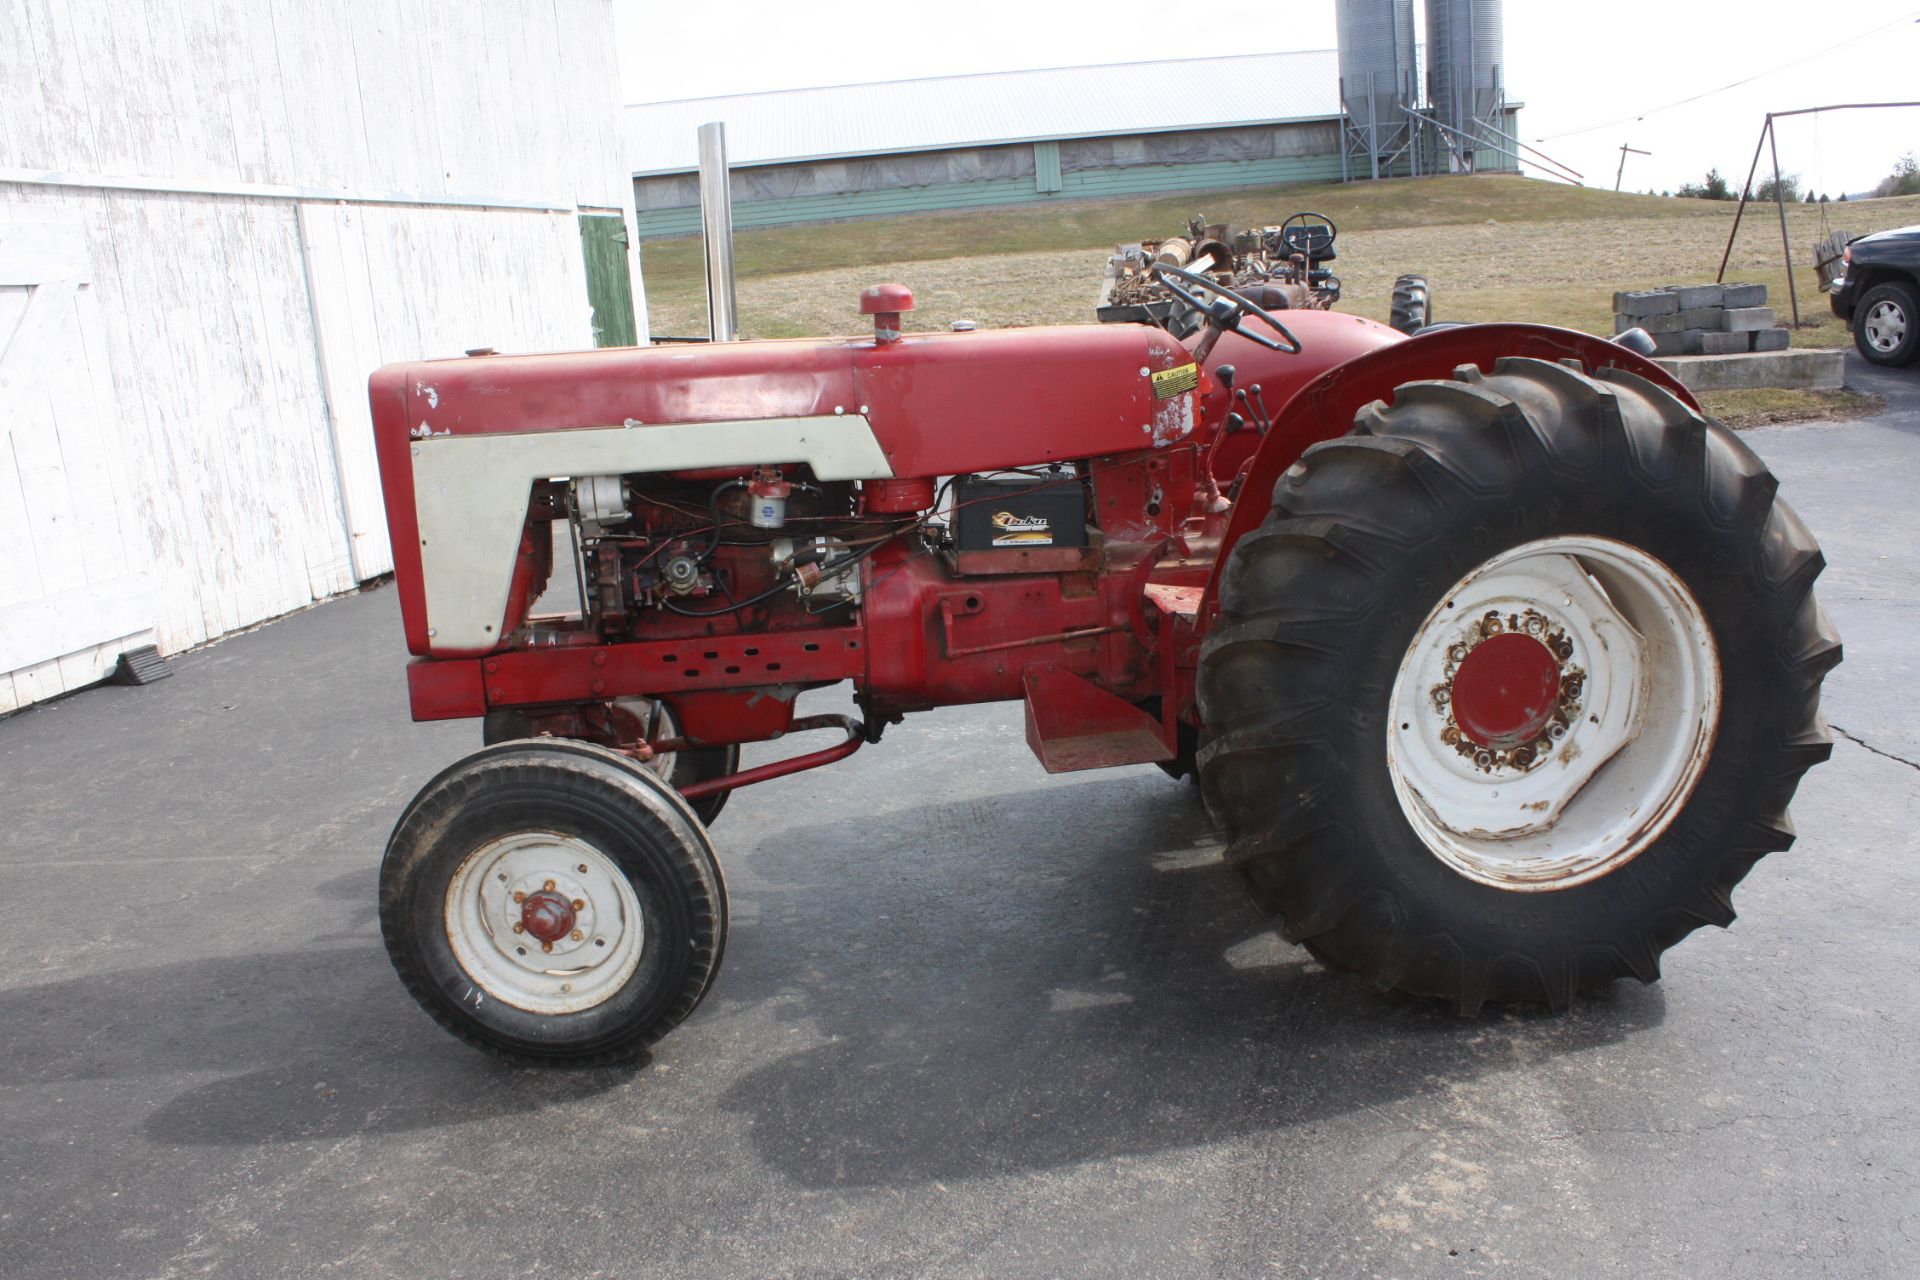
1412, 304
552, 901
1886, 324
1514, 685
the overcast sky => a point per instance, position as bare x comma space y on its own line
1575, 65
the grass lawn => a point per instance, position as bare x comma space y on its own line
1494, 247
1768, 406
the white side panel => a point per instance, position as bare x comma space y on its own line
333, 281
514, 98
402, 284
470, 493
68, 622
208, 425
72, 593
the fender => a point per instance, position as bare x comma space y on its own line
1324, 408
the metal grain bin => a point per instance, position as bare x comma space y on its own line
1377, 73
1465, 57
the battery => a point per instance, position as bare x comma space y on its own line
1019, 511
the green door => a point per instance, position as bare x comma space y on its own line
603, 239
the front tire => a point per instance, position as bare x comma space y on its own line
1886, 324
679, 769
551, 901
1412, 308
1653, 607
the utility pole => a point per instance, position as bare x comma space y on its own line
1621, 171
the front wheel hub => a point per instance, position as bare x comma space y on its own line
547, 916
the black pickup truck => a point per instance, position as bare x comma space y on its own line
1878, 294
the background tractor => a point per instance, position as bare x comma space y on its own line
1281, 267
1498, 663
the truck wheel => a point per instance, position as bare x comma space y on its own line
1886, 324
552, 901
1514, 685
1412, 305
679, 768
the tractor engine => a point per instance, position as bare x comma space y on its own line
748, 548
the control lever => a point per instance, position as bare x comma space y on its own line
1255, 406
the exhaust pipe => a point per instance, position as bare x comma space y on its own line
716, 227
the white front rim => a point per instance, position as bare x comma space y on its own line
1886, 326
486, 926
1611, 758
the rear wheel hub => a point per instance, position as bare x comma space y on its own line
1506, 691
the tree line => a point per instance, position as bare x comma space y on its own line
1904, 180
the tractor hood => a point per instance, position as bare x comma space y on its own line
461, 442
936, 404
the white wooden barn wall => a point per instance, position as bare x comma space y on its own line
225, 326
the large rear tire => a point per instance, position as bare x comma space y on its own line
550, 901
1554, 810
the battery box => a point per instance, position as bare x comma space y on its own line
997, 512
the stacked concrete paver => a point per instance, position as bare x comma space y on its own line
1701, 319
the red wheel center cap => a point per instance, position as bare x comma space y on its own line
1505, 692
547, 916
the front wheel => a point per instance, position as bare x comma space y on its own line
552, 901
1514, 685
1412, 308
679, 769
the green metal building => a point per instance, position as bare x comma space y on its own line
1005, 138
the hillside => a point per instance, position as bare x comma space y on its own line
1494, 248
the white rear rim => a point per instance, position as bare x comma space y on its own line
1577, 736
1886, 326
544, 922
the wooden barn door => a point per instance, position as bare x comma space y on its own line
74, 591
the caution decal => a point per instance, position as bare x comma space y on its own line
1171, 382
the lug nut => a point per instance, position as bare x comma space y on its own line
518, 927
546, 946
579, 904
548, 886
519, 895
577, 935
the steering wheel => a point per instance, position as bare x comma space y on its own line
1224, 312
1315, 236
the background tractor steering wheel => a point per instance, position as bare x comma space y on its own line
1315, 236
1224, 312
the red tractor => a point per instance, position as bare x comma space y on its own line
1497, 661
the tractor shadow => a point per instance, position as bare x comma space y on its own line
1063, 975
303, 1045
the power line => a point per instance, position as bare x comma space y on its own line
1759, 75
